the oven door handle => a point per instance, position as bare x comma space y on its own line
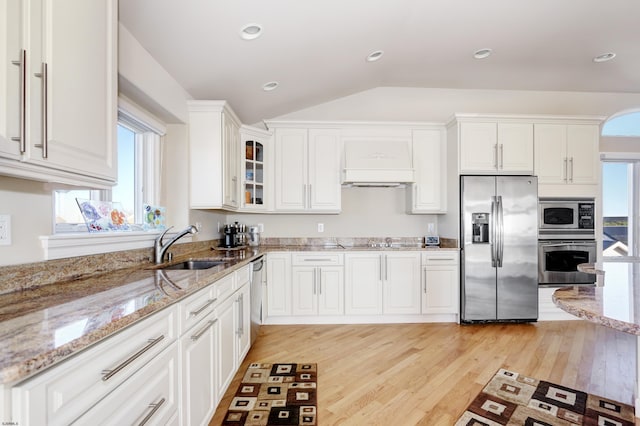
579, 244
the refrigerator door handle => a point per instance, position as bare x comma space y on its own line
492, 232
500, 232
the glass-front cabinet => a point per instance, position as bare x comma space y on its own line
254, 169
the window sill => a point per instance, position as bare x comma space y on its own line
61, 246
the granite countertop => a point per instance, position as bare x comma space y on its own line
614, 302
41, 326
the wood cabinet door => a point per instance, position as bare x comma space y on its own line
304, 299
291, 154
440, 290
199, 383
583, 142
324, 189
80, 114
550, 148
331, 290
363, 284
278, 284
226, 344
478, 147
429, 162
401, 283
515, 147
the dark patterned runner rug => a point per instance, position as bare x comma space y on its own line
513, 399
275, 394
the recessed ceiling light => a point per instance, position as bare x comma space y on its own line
482, 53
604, 57
251, 31
267, 87
374, 56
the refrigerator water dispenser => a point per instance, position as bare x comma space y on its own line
480, 227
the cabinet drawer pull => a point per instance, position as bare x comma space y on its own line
203, 330
318, 260
203, 307
154, 407
107, 374
22, 63
441, 259
45, 113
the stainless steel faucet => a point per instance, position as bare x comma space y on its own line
160, 249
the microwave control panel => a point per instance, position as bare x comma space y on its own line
586, 215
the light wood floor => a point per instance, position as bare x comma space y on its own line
427, 374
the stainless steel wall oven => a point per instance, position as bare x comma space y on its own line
558, 262
566, 238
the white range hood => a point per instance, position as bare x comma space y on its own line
377, 163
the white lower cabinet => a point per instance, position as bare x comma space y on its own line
440, 283
62, 394
169, 369
199, 371
317, 283
401, 283
278, 284
363, 283
149, 397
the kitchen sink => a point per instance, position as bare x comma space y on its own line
195, 264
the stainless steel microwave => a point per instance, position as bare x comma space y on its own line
566, 218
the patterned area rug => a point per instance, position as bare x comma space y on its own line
275, 394
513, 399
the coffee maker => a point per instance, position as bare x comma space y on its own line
235, 235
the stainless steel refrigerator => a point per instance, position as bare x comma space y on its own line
499, 248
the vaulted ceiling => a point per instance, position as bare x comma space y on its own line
316, 49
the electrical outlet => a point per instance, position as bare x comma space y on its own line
321, 227
5, 230
199, 226
261, 227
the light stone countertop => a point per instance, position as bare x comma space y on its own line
43, 325
613, 303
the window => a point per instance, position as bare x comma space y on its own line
138, 174
621, 191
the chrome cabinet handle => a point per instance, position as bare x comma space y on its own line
240, 301
440, 259
424, 279
320, 281
22, 63
310, 187
203, 330
315, 272
501, 156
154, 407
386, 267
495, 156
107, 374
380, 268
304, 195
318, 260
565, 170
45, 132
203, 307
571, 169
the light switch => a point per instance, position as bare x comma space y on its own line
5, 230
321, 227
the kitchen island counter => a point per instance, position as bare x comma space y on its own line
613, 303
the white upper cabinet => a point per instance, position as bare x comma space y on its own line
214, 139
496, 147
307, 170
58, 112
566, 154
255, 169
429, 192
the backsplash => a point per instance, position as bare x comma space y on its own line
32, 275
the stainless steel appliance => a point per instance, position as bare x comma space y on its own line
499, 242
558, 262
566, 218
257, 268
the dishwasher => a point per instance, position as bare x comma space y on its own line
257, 269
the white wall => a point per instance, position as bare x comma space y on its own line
439, 105
366, 212
30, 206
